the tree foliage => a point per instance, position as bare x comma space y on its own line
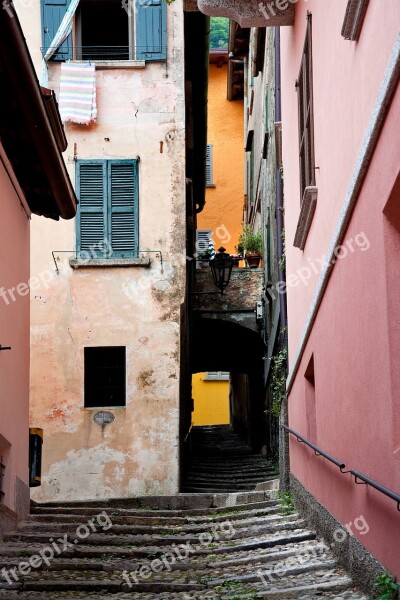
219, 34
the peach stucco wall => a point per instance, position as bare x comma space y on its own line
14, 332
224, 203
135, 307
355, 339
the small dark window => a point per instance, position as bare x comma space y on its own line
105, 369
304, 86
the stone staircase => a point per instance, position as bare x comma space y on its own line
222, 462
191, 546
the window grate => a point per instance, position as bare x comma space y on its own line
105, 376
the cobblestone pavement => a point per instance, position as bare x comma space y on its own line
192, 546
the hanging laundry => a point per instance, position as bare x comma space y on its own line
77, 99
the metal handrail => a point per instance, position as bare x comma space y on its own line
317, 450
356, 474
378, 486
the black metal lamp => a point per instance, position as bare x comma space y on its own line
221, 268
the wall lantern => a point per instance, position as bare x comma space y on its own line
221, 268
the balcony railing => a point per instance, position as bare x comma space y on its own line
100, 53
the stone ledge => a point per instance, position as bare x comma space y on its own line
77, 263
307, 211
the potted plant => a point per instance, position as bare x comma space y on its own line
251, 242
238, 256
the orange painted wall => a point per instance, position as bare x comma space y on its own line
224, 203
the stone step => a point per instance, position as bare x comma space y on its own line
96, 552
157, 530
241, 501
209, 542
111, 539
121, 518
230, 476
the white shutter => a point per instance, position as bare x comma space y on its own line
203, 238
217, 376
209, 165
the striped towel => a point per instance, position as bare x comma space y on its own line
77, 99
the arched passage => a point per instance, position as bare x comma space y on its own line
220, 344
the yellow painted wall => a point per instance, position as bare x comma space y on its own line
223, 214
211, 401
224, 203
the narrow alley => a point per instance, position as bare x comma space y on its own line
199, 315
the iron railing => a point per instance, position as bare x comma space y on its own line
365, 480
111, 52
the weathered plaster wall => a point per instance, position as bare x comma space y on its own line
14, 363
223, 212
243, 292
136, 307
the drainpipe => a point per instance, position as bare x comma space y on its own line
279, 187
284, 459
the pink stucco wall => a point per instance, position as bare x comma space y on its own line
355, 340
14, 332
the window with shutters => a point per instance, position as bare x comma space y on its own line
105, 376
209, 166
108, 29
304, 86
203, 240
107, 220
217, 376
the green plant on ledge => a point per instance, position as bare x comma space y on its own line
277, 384
387, 586
250, 241
282, 261
286, 503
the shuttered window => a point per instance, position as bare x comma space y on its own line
107, 224
209, 166
151, 30
217, 376
304, 86
52, 12
203, 240
108, 30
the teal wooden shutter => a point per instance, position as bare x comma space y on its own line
209, 165
123, 207
151, 30
53, 12
92, 213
